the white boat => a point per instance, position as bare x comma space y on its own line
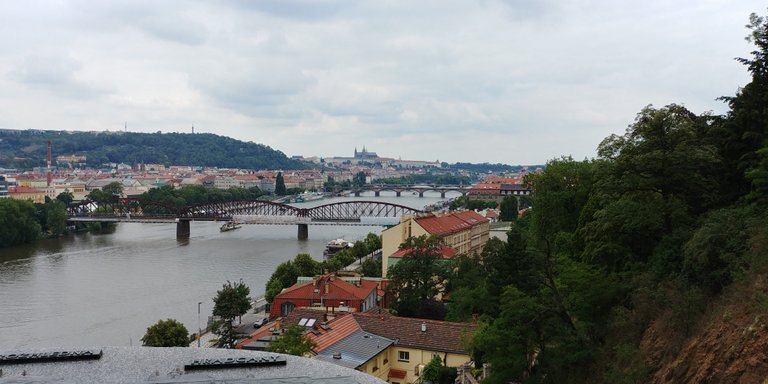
335, 246
229, 226
308, 196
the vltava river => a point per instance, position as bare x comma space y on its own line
105, 290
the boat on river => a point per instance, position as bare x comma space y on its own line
230, 226
334, 246
307, 196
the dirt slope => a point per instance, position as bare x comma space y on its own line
730, 347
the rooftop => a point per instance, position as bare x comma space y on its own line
136, 365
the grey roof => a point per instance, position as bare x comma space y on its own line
356, 349
513, 187
140, 365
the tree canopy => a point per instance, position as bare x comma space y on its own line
230, 302
20, 147
166, 333
418, 279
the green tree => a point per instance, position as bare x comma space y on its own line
432, 370
418, 278
66, 197
292, 341
166, 333
508, 209
745, 130
654, 181
359, 179
56, 217
230, 302
371, 268
17, 223
280, 185
286, 273
372, 242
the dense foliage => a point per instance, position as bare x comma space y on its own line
17, 223
660, 224
467, 203
417, 280
28, 148
166, 333
490, 168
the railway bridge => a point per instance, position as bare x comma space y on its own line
243, 211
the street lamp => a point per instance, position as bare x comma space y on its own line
198, 323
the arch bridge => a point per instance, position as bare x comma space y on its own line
243, 211
416, 188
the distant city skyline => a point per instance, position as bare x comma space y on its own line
498, 81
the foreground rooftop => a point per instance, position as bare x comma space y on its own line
135, 365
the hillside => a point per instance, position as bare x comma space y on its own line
27, 148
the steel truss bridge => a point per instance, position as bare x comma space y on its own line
243, 211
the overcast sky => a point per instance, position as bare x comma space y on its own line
510, 81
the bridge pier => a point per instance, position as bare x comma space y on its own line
182, 229
397, 193
376, 193
357, 193
442, 195
421, 193
303, 231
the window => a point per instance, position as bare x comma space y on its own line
286, 308
386, 361
403, 356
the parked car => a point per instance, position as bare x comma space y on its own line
260, 322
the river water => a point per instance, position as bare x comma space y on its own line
106, 289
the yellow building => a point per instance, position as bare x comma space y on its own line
466, 232
35, 195
391, 348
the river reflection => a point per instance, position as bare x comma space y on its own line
106, 289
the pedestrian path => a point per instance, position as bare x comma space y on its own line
208, 339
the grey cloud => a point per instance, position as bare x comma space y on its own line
58, 75
296, 9
257, 92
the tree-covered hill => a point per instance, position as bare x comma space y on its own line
648, 264
27, 148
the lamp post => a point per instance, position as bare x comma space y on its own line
198, 323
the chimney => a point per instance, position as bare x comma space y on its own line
423, 327
49, 176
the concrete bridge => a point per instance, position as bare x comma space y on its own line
245, 211
417, 188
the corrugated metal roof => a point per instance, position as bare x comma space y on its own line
355, 349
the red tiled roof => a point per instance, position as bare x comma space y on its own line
397, 373
338, 289
471, 217
445, 252
441, 336
443, 225
337, 329
450, 223
24, 190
